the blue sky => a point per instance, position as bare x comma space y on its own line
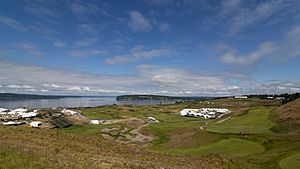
170, 47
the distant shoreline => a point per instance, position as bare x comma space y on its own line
16, 97
159, 97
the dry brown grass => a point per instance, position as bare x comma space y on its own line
190, 137
288, 116
42, 148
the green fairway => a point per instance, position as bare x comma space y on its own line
232, 147
255, 121
291, 162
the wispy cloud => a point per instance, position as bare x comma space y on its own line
41, 8
30, 48
281, 50
86, 42
83, 9
88, 29
12, 23
234, 16
137, 22
87, 52
149, 79
264, 50
41, 29
19, 86
138, 53
164, 27
48, 33
59, 44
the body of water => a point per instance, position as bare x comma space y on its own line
76, 102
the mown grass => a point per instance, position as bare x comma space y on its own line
232, 147
255, 121
291, 162
162, 129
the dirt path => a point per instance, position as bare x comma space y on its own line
138, 137
133, 136
221, 121
118, 121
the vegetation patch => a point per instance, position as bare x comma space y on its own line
14, 159
291, 162
255, 121
232, 147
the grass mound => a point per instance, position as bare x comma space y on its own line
291, 162
255, 121
232, 147
288, 117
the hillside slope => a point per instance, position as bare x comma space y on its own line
288, 117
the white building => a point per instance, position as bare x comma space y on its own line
35, 124
152, 120
19, 110
3, 110
207, 113
70, 112
240, 97
27, 115
13, 123
94, 121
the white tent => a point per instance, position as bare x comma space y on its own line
70, 112
94, 121
18, 110
28, 115
35, 124
3, 109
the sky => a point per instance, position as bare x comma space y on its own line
166, 47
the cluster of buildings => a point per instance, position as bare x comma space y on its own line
15, 117
69, 112
17, 113
22, 116
206, 113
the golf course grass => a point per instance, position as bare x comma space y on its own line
232, 147
291, 162
255, 121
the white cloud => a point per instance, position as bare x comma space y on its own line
264, 50
87, 52
59, 44
164, 27
44, 90
138, 53
30, 48
281, 50
137, 22
234, 16
86, 42
83, 9
30, 90
75, 88
149, 79
170, 79
41, 8
247, 16
51, 85
19, 86
12, 23
88, 29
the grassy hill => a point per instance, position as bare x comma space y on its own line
287, 117
178, 142
255, 121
